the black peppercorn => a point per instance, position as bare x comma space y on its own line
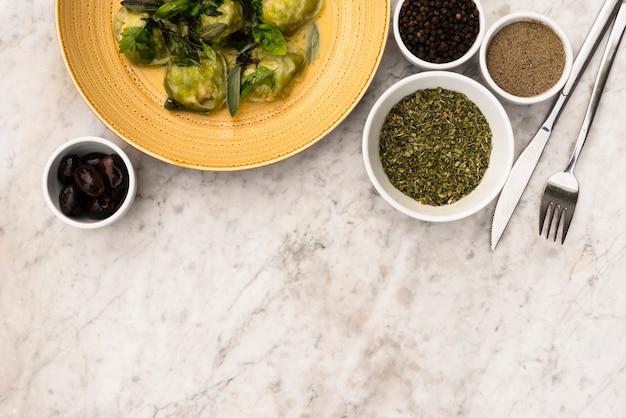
438, 31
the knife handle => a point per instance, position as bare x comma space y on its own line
602, 22
600, 25
603, 74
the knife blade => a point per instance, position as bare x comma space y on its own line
525, 165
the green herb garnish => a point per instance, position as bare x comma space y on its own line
435, 146
313, 43
257, 6
233, 90
218, 51
270, 39
259, 76
142, 5
136, 40
209, 7
173, 8
210, 32
208, 51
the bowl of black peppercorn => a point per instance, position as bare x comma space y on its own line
439, 34
89, 182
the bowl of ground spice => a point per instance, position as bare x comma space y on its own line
439, 34
525, 58
438, 146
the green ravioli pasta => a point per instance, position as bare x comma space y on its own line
289, 15
201, 88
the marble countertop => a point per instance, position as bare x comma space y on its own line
294, 290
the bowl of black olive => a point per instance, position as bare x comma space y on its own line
89, 182
439, 35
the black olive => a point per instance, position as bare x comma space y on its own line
93, 158
65, 174
100, 207
113, 172
118, 196
70, 200
89, 180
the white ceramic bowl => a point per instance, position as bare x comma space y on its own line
82, 146
524, 17
500, 161
459, 64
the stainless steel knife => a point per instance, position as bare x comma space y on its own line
525, 165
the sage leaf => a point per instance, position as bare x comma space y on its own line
233, 90
210, 32
142, 5
313, 43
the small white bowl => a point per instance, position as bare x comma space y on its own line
525, 17
500, 161
459, 64
82, 146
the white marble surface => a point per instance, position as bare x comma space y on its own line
294, 290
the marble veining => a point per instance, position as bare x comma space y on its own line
294, 290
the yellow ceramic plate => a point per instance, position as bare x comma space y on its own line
129, 100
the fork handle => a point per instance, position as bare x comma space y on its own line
603, 74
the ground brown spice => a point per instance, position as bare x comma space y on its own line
525, 58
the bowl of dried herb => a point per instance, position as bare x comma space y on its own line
438, 146
525, 58
436, 35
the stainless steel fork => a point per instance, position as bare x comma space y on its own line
561, 190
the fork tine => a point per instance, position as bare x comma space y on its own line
558, 210
551, 209
542, 213
569, 214
557, 206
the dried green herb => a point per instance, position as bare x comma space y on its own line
435, 146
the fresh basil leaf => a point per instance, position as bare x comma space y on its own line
259, 76
233, 90
270, 39
313, 43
